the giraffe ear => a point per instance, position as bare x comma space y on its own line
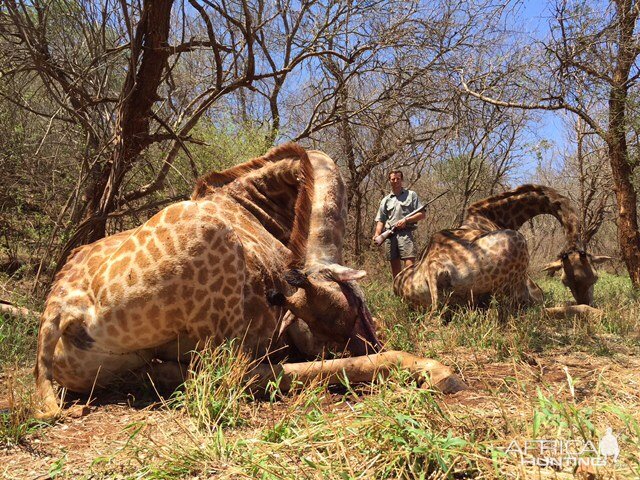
296, 278
597, 259
552, 268
340, 273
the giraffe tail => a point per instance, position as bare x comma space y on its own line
48, 337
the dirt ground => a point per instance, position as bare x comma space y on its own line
79, 447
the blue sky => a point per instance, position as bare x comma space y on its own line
534, 20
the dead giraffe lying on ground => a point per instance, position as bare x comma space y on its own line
487, 256
255, 241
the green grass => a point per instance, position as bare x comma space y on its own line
18, 336
396, 431
215, 389
523, 332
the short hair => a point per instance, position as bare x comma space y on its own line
399, 172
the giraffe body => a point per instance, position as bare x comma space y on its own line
198, 278
198, 270
257, 249
466, 266
487, 256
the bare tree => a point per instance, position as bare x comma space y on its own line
137, 78
594, 181
394, 103
592, 53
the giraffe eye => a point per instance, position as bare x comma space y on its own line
564, 256
582, 253
276, 298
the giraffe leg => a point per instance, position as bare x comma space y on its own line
48, 338
166, 376
358, 369
171, 365
573, 311
432, 282
82, 370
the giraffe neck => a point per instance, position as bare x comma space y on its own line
411, 285
298, 196
269, 194
328, 212
267, 187
510, 210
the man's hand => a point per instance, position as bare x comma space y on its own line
401, 223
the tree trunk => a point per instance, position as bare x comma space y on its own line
621, 169
137, 97
357, 213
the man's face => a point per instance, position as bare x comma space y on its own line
395, 179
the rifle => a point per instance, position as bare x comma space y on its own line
379, 240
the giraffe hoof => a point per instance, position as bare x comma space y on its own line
448, 385
47, 415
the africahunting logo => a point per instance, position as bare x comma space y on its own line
563, 453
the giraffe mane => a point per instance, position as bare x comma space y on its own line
559, 206
304, 203
206, 184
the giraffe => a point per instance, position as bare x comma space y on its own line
257, 249
487, 255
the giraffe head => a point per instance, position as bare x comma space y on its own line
328, 299
578, 272
325, 294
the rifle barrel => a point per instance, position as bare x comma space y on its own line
379, 240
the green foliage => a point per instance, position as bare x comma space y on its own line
220, 147
229, 145
57, 467
565, 419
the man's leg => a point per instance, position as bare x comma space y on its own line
393, 255
396, 266
409, 261
406, 249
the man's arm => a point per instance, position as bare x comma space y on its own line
381, 218
416, 217
379, 229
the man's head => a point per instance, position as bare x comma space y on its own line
395, 179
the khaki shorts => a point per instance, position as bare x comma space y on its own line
400, 246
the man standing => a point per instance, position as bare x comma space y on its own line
393, 208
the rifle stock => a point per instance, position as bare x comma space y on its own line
379, 240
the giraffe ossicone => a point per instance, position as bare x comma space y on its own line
255, 254
487, 256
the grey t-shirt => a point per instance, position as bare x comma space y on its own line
394, 208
